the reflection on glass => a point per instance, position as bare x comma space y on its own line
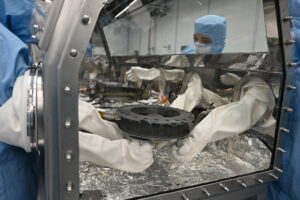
170, 27
233, 97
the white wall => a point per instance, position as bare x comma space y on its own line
245, 27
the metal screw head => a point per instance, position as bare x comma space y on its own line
67, 90
284, 130
287, 109
274, 176
37, 27
288, 18
68, 123
69, 187
278, 169
73, 53
34, 38
281, 150
86, 19
242, 183
290, 87
69, 156
289, 42
292, 64
224, 187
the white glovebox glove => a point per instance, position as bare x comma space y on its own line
122, 154
13, 128
90, 120
138, 74
196, 95
252, 110
104, 145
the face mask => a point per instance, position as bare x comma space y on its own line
202, 48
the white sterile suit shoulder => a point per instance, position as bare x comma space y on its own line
196, 95
13, 112
105, 145
252, 109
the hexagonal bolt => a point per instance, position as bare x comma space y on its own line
281, 150
68, 123
287, 18
86, 19
69, 187
184, 196
68, 90
224, 187
284, 130
69, 156
292, 64
259, 180
278, 169
289, 42
287, 109
205, 191
73, 53
241, 183
273, 176
291, 87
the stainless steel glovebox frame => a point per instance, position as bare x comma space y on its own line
66, 35
64, 41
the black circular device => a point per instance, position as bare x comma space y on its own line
154, 122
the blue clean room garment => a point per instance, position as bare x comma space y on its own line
213, 26
18, 179
16, 15
288, 186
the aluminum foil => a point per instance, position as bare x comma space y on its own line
223, 159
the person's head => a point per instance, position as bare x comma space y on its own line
210, 34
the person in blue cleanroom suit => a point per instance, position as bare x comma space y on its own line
18, 174
209, 36
288, 185
17, 168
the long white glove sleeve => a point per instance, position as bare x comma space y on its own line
90, 120
228, 120
196, 95
191, 97
122, 154
13, 128
105, 145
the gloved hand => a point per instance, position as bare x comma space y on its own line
138, 74
196, 95
90, 120
122, 154
106, 146
253, 108
13, 129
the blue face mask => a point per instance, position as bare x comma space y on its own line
202, 48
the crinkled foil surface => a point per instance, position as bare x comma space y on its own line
223, 159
